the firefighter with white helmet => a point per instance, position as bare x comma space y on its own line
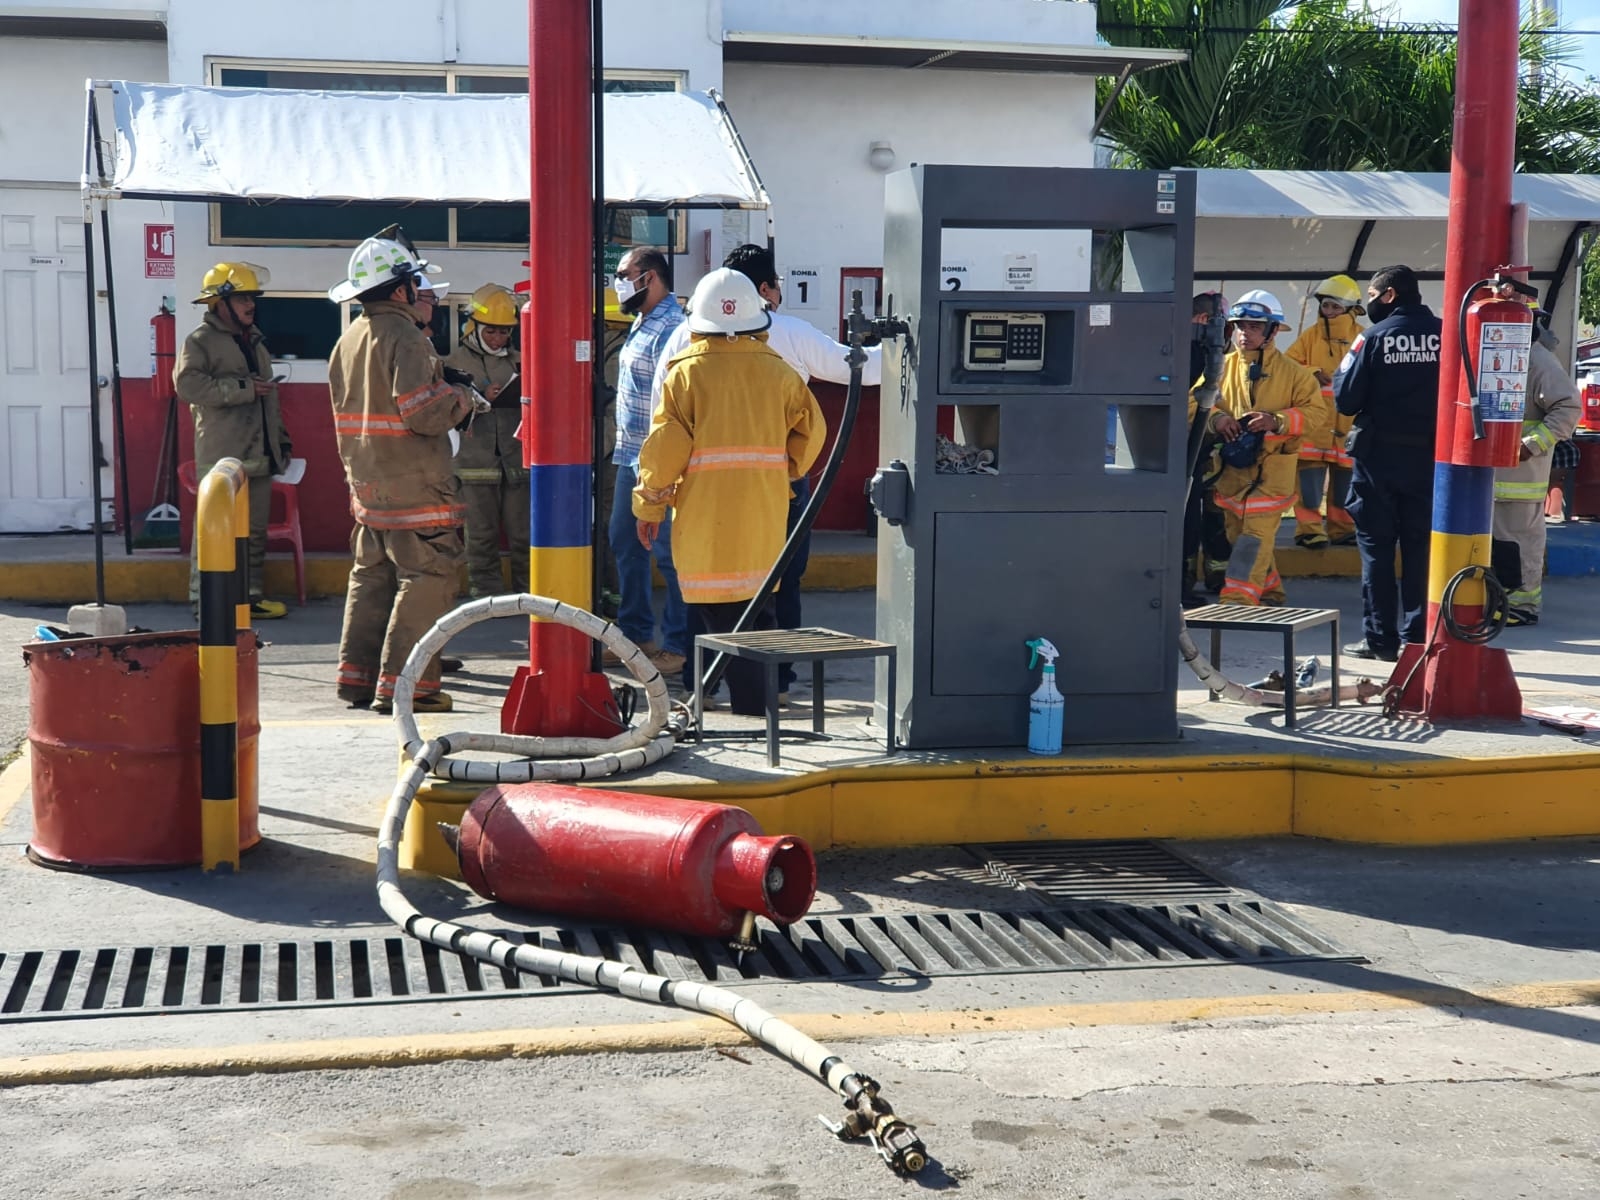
392, 412
734, 428
1324, 461
1269, 404
224, 373
494, 483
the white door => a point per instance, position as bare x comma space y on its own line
45, 453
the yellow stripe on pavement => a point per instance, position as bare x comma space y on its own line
707, 1032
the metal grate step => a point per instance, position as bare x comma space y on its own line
44, 985
1100, 872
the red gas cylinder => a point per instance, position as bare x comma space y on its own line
617, 856
114, 737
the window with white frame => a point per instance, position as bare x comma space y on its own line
479, 226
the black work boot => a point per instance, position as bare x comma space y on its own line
1364, 649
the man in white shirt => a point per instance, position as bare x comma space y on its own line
813, 354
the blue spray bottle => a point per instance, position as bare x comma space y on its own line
1046, 708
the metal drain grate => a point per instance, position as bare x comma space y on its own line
40, 985
1100, 872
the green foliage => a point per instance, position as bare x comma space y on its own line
1589, 293
1329, 88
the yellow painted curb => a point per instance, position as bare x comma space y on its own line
706, 1032
15, 781
155, 578
888, 804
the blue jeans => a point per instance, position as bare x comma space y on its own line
636, 612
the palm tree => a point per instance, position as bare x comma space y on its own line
1319, 86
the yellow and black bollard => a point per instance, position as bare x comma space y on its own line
222, 536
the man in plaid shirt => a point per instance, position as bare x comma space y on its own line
644, 289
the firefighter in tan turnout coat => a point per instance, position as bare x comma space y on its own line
224, 375
392, 414
494, 483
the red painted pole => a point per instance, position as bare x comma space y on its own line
556, 695
1460, 679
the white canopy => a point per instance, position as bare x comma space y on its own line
180, 142
1379, 195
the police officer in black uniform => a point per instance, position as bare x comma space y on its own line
1389, 381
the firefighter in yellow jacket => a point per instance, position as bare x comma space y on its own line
494, 483
734, 428
224, 374
392, 414
1269, 405
1321, 347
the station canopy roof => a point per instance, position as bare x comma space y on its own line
867, 50
1308, 224
1380, 195
184, 142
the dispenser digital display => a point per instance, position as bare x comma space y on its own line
1009, 341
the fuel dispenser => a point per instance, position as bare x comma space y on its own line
1038, 299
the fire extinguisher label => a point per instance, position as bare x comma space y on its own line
1503, 369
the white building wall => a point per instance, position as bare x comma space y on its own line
1056, 22
809, 130
45, 462
639, 35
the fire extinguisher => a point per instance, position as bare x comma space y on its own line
163, 354
1496, 340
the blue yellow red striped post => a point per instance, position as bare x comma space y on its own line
557, 695
1461, 679
222, 511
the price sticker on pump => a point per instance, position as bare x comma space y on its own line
1021, 272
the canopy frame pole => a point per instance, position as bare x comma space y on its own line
91, 130
119, 425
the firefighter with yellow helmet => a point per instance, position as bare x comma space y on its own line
224, 374
494, 483
1324, 462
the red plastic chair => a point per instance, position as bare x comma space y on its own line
284, 531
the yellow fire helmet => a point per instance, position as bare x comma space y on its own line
232, 279
1343, 289
492, 306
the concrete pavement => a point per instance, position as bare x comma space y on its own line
1462, 1059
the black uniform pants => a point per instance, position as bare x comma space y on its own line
1392, 508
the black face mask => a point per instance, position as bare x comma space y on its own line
1377, 310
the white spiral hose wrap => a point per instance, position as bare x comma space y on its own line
578, 758
627, 750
